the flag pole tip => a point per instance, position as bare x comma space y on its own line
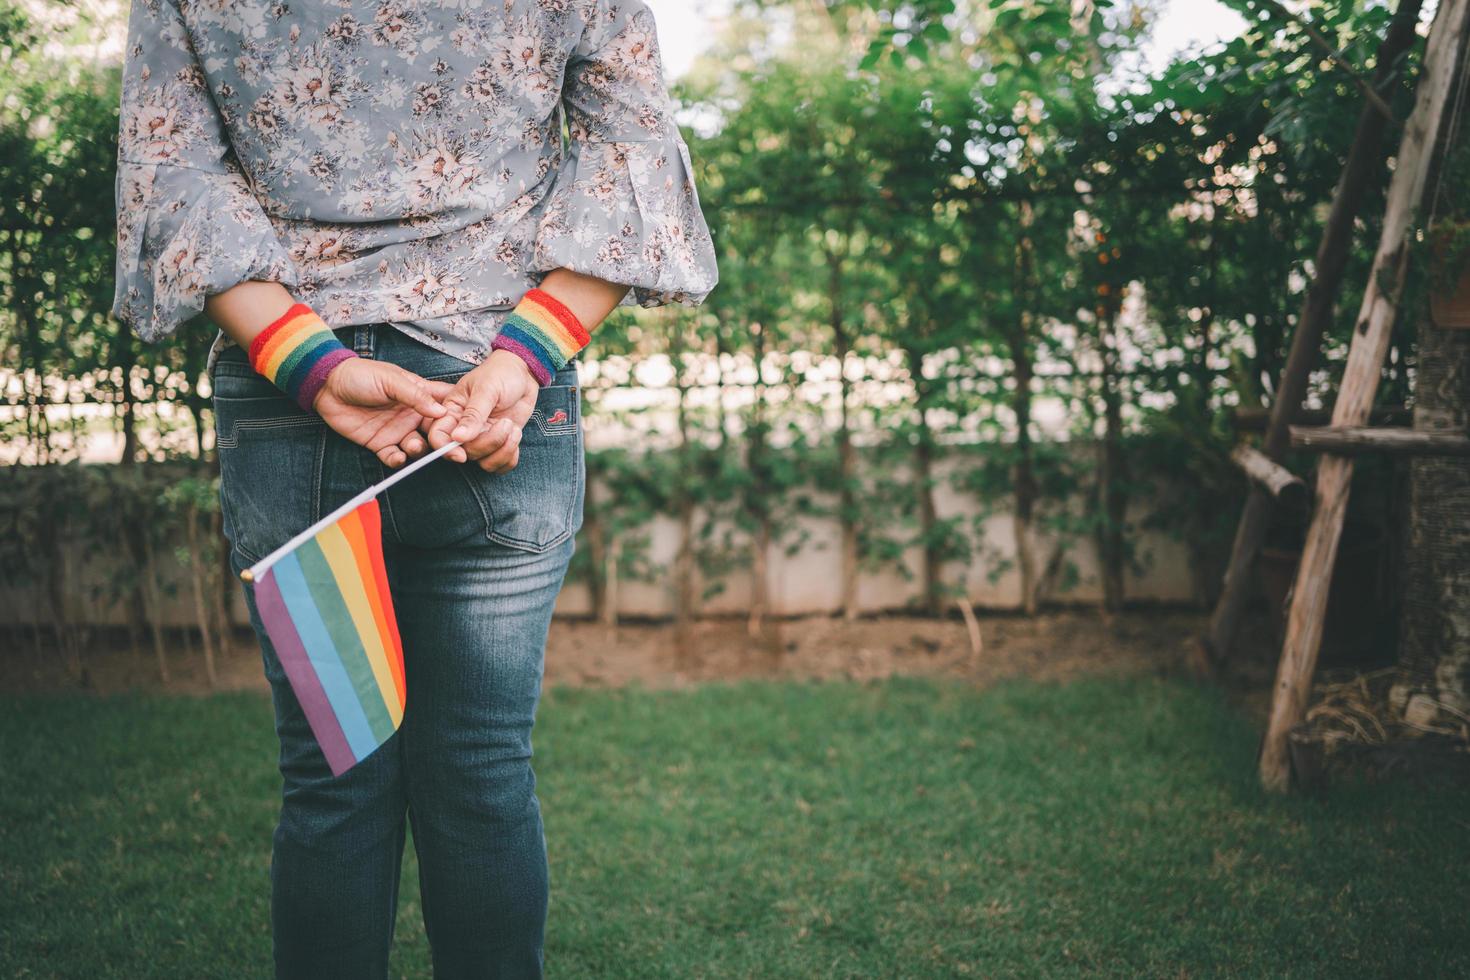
246, 576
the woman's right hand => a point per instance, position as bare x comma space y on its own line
381, 406
487, 411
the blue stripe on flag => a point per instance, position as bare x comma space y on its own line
323, 656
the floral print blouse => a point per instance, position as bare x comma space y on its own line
399, 161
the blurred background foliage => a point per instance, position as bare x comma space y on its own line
981, 242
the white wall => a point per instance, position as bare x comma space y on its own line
808, 582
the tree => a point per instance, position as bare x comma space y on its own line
1433, 684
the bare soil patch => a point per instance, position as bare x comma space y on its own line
1055, 646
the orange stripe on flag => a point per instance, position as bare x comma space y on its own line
372, 524
363, 546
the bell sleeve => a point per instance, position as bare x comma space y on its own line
188, 223
623, 206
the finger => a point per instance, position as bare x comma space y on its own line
438, 436
437, 430
509, 464
392, 457
438, 390
410, 390
400, 425
413, 444
476, 413
505, 457
490, 440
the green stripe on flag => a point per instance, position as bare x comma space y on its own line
327, 597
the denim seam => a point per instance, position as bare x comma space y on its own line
372, 472
316, 477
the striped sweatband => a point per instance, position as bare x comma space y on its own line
542, 332
297, 352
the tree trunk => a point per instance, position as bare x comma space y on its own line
610, 578
596, 531
196, 581
933, 576
64, 628
1434, 632
128, 357
1023, 475
846, 465
1433, 683
196, 405
149, 573
758, 503
221, 582
1112, 473
722, 384
684, 583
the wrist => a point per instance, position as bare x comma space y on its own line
513, 362
297, 352
543, 333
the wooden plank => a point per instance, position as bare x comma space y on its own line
1446, 50
1268, 474
1350, 440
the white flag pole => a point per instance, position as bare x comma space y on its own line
259, 568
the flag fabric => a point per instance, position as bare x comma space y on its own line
329, 614
324, 600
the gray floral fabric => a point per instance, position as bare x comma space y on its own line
399, 160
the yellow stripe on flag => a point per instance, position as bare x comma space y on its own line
346, 571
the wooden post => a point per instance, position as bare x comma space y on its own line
1268, 473
1447, 47
1349, 440
1316, 314
1255, 418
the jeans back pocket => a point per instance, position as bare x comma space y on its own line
538, 504
270, 458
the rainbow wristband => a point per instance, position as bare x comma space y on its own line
543, 333
297, 352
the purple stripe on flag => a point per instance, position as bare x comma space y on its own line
304, 682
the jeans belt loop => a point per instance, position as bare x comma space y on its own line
364, 340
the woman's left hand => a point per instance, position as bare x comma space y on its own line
380, 406
487, 409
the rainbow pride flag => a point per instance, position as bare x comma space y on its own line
324, 599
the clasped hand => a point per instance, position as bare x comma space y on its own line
398, 415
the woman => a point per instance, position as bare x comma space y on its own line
373, 202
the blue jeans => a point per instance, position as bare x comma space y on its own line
475, 562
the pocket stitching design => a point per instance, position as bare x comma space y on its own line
232, 440
557, 429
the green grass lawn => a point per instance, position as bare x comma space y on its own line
911, 828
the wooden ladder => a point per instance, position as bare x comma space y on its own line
1448, 47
